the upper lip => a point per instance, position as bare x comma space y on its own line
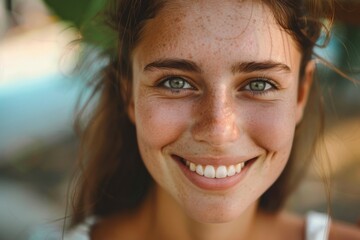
215, 160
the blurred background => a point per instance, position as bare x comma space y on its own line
38, 93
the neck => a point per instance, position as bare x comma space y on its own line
171, 222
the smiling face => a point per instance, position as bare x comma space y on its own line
215, 87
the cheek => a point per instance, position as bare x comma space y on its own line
273, 127
160, 122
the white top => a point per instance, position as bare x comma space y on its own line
316, 228
82, 231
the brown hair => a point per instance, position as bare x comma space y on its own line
113, 178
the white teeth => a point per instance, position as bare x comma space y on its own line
209, 171
199, 170
221, 172
192, 167
238, 167
231, 171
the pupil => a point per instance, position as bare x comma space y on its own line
177, 83
257, 86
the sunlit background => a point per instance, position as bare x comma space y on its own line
39, 90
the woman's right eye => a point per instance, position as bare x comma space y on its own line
176, 83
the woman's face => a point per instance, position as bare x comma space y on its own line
215, 86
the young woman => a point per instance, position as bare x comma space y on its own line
197, 132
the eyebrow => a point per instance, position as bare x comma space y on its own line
190, 66
180, 64
249, 67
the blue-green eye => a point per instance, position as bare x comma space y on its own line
176, 83
259, 85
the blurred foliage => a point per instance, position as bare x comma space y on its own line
77, 12
86, 16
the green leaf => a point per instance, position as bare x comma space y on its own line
82, 14
78, 12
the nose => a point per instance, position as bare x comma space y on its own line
216, 122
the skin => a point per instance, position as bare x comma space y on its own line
215, 116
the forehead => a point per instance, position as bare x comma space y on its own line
236, 30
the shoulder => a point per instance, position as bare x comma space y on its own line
340, 230
314, 225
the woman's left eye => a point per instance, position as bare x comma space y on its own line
259, 85
176, 83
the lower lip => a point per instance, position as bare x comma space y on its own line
214, 184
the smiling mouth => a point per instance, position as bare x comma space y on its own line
210, 171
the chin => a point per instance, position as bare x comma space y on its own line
217, 214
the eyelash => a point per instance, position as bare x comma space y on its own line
269, 85
165, 83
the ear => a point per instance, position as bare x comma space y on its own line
304, 90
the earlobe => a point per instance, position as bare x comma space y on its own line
304, 89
